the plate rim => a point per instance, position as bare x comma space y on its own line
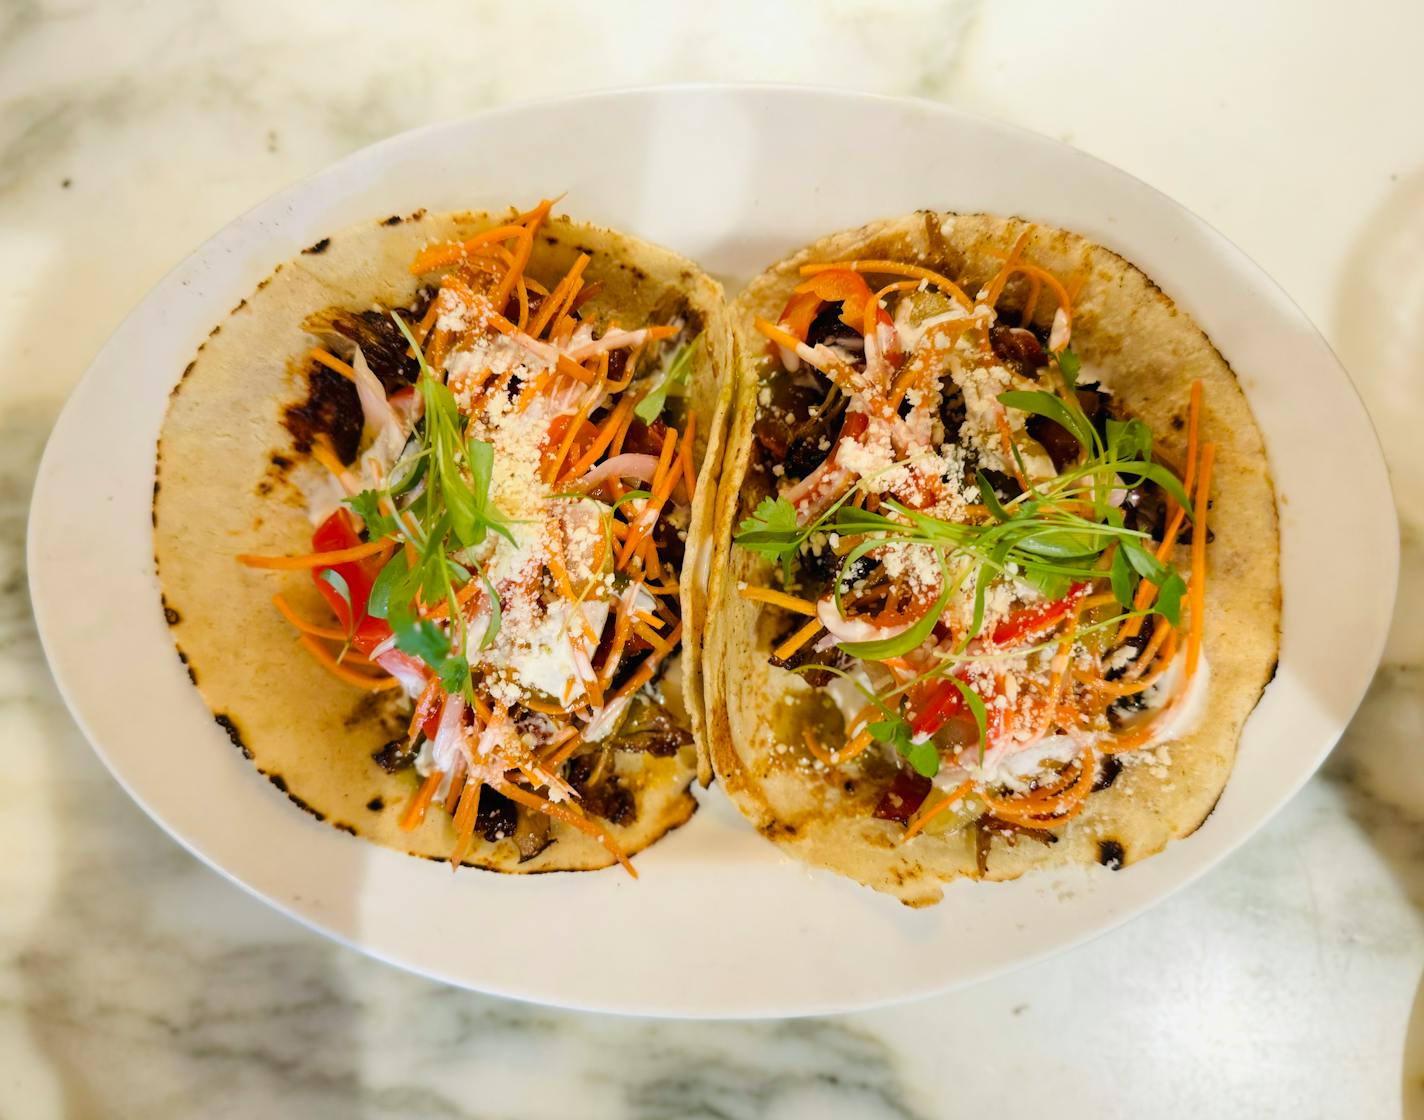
37, 527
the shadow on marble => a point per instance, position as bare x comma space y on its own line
119, 969
1380, 333
1412, 1088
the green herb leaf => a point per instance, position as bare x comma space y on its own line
773, 522
337, 582
637, 495
1120, 575
675, 375
421, 638
1047, 405
975, 703
392, 576
1143, 562
1129, 439
895, 732
893, 647
496, 618
1068, 366
771, 531
923, 757
1155, 472
990, 499
454, 673
1169, 598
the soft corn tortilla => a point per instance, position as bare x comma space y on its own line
222, 489
1149, 352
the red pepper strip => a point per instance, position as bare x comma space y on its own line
337, 532
431, 727
849, 289
800, 313
944, 703
1036, 619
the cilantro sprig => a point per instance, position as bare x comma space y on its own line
441, 521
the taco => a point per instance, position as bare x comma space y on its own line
997, 585
423, 512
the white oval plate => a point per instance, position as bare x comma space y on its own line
720, 924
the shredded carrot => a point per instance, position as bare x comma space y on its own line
1047, 808
1006, 434
778, 599
571, 433
622, 628
331, 362
995, 287
563, 363
777, 335
521, 291
327, 660
306, 627
438, 256
1140, 733
415, 811
894, 268
586, 293
925, 814
857, 744
644, 672
563, 747
457, 785
568, 816
1197, 591
525, 246
818, 752
1136, 685
926, 357
644, 631
1193, 429
1065, 300
662, 484
563, 293
314, 559
424, 707
787, 648
422, 329
1147, 591
323, 453
465, 817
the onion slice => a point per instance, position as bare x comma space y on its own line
628, 465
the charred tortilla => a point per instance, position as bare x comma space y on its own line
235, 458
848, 816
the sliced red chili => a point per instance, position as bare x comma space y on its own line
1036, 619
338, 532
944, 703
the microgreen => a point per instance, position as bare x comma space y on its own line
674, 376
440, 523
337, 582
1051, 535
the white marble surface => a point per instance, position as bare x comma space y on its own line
133, 982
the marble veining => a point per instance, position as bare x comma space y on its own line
134, 982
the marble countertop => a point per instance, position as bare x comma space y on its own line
134, 982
